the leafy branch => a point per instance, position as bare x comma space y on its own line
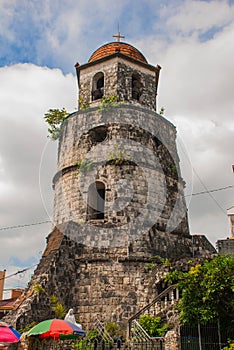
153, 325
54, 118
207, 291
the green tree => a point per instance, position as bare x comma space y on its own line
54, 118
153, 325
207, 291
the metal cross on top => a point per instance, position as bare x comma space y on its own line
118, 36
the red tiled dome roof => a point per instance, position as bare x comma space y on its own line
111, 48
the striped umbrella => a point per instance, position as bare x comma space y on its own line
8, 334
56, 329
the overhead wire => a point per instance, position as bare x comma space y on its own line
18, 272
24, 225
207, 191
210, 191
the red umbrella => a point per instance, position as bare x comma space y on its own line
8, 334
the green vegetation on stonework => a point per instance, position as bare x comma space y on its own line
162, 111
54, 118
117, 156
207, 291
174, 169
108, 102
83, 105
153, 325
27, 327
157, 260
84, 166
55, 305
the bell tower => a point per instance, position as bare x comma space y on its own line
118, 192
118, 197
118, 69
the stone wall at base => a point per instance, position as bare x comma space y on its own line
99, 283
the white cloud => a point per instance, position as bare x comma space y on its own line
26, 93
199, 16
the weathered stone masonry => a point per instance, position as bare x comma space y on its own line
75, 145
111, 218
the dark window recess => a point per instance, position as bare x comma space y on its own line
100, 83
98, 134
98, 86
136, 87
96, 201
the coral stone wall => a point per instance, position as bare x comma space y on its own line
138, 165
109, 284
118, 81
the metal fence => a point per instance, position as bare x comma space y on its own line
205, 337
147, 346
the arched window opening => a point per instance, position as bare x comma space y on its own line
96, 201
98, 134
98, 86
136, 87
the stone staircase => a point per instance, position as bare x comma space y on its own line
161, 306
137, 337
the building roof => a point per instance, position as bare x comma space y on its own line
113, 47
7, 303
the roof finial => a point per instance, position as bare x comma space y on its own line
118, 36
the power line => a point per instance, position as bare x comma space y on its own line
24, 225
18, 272
207, 191
210, 191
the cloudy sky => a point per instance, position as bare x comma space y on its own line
40, 41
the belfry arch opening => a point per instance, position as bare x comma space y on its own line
136, 86
96, 201
98, 86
